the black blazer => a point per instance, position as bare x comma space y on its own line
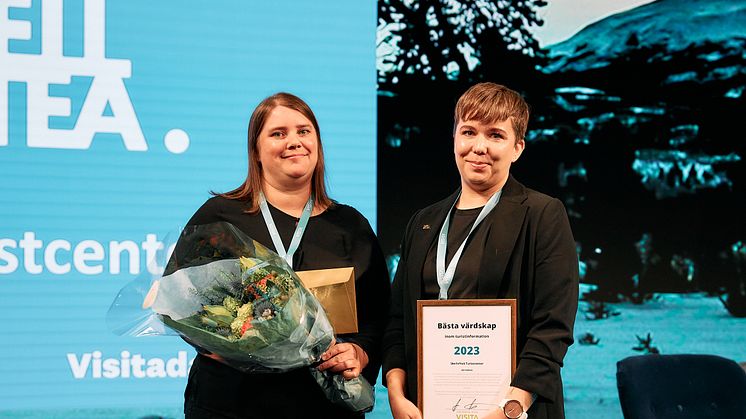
534, 261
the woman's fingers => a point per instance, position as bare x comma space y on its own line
341, 358
351, 373
340, 363
336, 349
401, 408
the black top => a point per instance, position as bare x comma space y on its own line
338, 237
464, 283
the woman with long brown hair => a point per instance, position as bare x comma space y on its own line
284, 196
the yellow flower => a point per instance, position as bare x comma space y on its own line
247, 263
231, 304
236, 325
245, 311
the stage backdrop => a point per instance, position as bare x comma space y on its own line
116, 119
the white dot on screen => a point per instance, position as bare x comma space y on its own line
176, 141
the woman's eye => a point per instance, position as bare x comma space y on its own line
278, 134
467, 132
304, 131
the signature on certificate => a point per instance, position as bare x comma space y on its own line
462, 404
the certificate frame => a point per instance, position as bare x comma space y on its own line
469, 309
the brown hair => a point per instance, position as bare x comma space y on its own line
489, 103
249, 190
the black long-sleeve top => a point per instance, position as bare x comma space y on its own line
338, 237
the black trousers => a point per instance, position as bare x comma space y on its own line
217, 391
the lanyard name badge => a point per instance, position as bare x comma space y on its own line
445, 275
297, 235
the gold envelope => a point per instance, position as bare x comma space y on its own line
335, 290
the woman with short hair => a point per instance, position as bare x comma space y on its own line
516, 243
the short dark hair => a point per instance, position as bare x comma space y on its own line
489, 103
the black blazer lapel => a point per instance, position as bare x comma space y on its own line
505, 226
425, 233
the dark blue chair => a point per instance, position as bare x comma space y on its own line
681, 387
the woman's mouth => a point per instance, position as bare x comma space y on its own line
294, 156
478, 164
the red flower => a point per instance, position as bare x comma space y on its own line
246, 325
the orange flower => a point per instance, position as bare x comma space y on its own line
246, 325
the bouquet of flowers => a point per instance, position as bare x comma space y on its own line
228, 295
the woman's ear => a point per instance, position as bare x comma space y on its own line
520, 145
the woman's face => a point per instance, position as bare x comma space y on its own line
484, 153
287, 146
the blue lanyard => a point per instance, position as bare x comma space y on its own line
299, 229
445, 276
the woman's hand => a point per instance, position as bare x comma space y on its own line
402, 408
346, 358
525, 398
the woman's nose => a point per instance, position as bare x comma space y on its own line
480, 145
293, 142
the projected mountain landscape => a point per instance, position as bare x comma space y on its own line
636, 127
646, 106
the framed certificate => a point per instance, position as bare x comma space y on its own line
466, 356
